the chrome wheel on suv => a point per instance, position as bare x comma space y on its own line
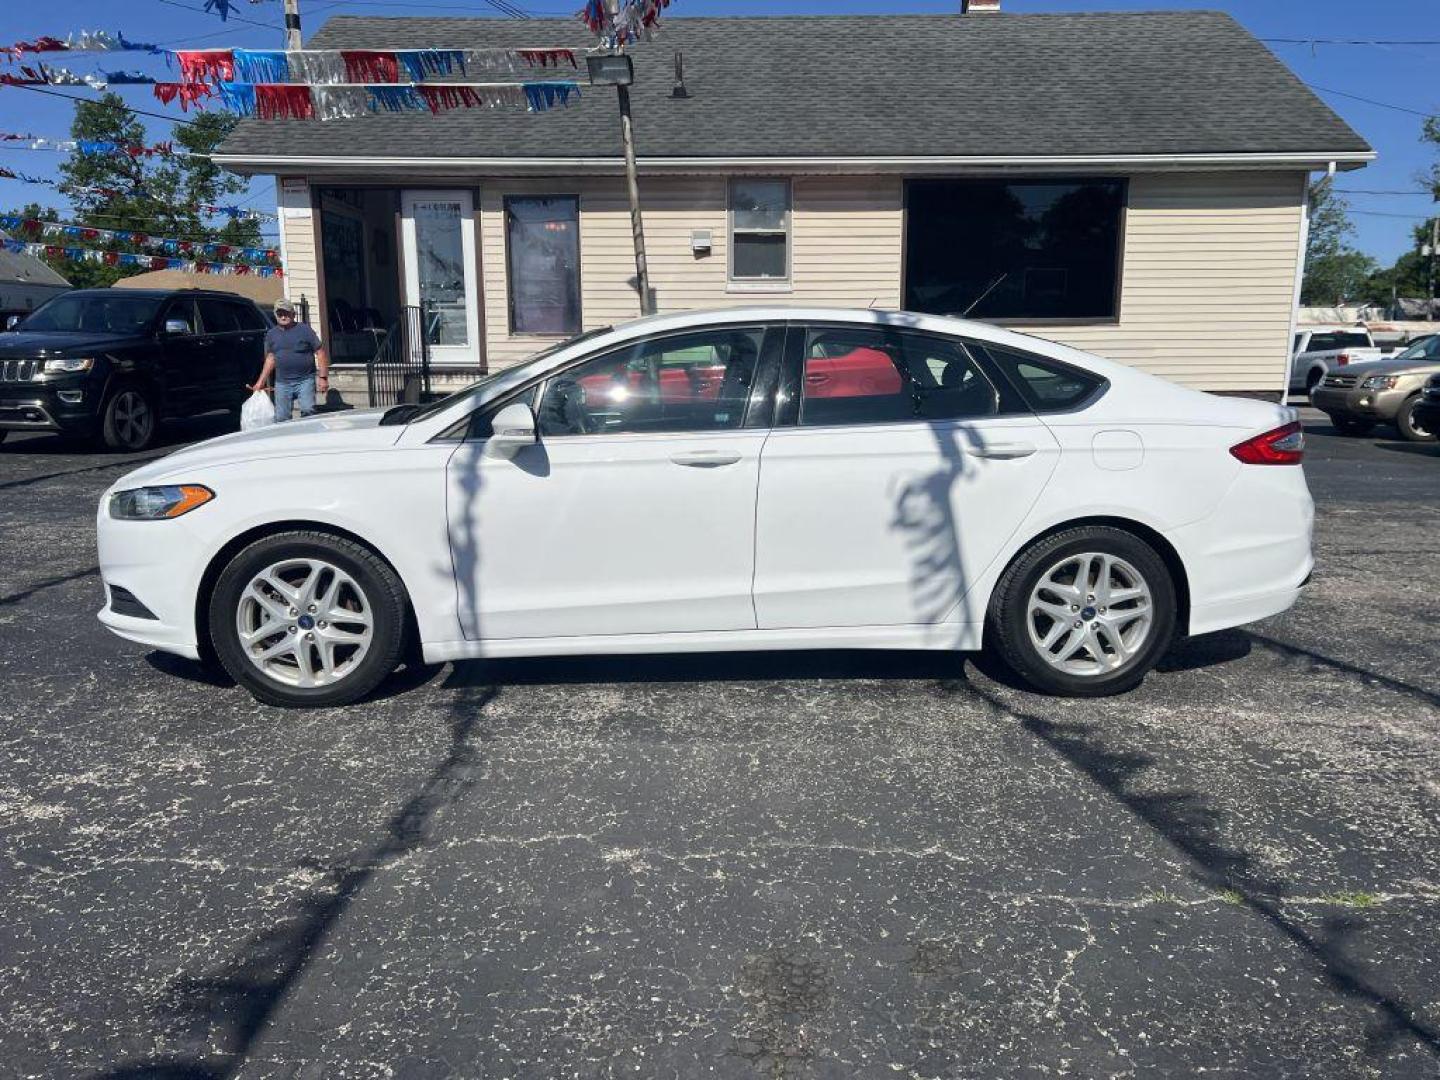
304, 622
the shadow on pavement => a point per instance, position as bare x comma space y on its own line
1429, 450
50, 583
1190, 824
224, 1011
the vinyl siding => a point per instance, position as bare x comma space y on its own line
1208, 281
297, 233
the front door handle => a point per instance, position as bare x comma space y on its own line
1002, 450
704, 459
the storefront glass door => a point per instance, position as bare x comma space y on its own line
439, 237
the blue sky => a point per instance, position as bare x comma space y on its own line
1398, 75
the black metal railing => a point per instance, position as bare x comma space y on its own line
399, 372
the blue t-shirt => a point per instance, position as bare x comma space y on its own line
293, 349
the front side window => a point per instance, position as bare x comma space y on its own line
759, 230
186, 312
542, 243
218, 317
1014, 249
688, 382
865, 375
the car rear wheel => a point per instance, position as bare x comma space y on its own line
1312, 379
128, 421
1084, 613
1349, 425
306, 619
1409, 426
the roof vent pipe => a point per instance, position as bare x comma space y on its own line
979, 7
679, 91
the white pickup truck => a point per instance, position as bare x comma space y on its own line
1319, 348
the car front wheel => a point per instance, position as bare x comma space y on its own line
128, 421
305, 619
1411, 428
1084, 613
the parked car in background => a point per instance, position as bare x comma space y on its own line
1426, 413
1318, 349
110, 364
762, 478
1359, 396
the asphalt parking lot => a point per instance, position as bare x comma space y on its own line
808, 865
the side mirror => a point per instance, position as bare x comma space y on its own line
513, 429
12, 322
177, 326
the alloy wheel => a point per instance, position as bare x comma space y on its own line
134, 420
304, 622
1089, 614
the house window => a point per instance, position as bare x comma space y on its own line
542, 243
1014, 249
759, 230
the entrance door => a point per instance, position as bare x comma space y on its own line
439, 236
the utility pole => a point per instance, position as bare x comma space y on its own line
292, 25
1430, 287
632, 182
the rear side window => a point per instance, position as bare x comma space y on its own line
1047, 385
871, 375
218, 317
248, 316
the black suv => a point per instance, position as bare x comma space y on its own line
111, 364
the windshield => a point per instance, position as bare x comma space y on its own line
475, 387
109, 313
1427, 348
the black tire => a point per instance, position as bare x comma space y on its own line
3, 434
380, 591
1349, 425
129, 420
1312, 380
1009, 622
1411, 429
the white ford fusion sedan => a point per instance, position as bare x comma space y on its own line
763, 478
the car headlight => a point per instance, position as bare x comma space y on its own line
68, 365
1381, 382
158, 503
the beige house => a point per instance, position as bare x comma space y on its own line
1132, 184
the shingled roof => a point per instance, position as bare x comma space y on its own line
1178, 83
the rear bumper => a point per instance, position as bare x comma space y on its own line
1249, 559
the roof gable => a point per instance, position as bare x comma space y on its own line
1100, 84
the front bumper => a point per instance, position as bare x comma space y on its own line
159, 563
1377, 405
28, 407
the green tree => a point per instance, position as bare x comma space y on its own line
1335, 272
154, 195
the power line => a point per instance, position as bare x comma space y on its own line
1382, 213
236, 18
105, 104
1351, 41
1372, 101
1384, 191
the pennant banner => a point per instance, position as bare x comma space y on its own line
234, 213
34, 227
288, 101
96, 147
146, 262
45, 75
361, 66
85, 41
633, 22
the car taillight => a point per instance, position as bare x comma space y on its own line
1342, 359
1283, 446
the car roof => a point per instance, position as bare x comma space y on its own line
161, 294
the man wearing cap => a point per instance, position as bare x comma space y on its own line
294, 355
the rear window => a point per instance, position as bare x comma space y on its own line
1046, 385
1338, 339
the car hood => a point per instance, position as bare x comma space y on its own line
1391, 367
332, 433
45, 343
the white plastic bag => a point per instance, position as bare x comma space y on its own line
257, 412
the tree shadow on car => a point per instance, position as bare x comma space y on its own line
1192, 825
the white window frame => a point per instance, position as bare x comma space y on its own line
760, 284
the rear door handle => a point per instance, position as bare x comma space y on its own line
1002, 450
704, 459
